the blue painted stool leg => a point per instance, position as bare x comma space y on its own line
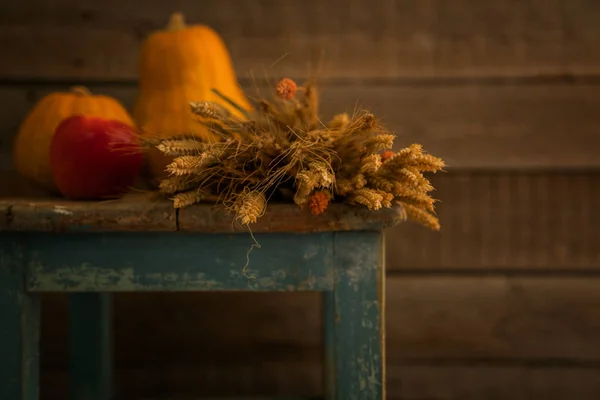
90, 350
19, 327
358, 320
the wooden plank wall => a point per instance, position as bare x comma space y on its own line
504, 303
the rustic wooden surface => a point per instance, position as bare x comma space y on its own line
496, 85
173, 262
139, 213
357, 39
470, 126
439, 329
528, 221
354, 319
460, 319
453, 382
491, 221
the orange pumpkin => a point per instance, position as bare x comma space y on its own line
31, 146
178, 65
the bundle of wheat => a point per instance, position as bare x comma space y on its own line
282, 151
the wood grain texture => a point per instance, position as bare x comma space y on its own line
139, 214
433, 318
493, 382
448, 338
438, 320
491, 221
469, 126
358, 38
494, 221
453, 382
13, 183
477, 318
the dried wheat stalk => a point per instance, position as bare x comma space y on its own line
282, 150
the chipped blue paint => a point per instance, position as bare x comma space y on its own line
343, 265
358, 352
179, 262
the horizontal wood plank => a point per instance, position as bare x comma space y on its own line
472, 126
139, 213
358, 38
492, 382
179, 262
448, 339
429, 319
475, 318
428, 382
491, 221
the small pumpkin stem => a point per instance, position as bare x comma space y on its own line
81, 90
176, 22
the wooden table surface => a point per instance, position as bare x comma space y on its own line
140, 213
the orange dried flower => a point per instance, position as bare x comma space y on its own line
386, 155
286, 89
318, 202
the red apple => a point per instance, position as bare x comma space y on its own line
93, 158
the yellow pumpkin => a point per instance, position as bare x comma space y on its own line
31, 145
177, 65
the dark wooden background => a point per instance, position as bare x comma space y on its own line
503, 303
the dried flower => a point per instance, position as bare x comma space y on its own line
370, 198
365, 121
409, 176
370, 164
323, 173
339, 121
386, 155
181, 147
176, 184
318, 202
404, 156
421, 216
359, 181
379, 143
249, 207
428, 163
307, 181
387, 198
344, 187
286, 89
318, 175
185, 165
186, 199
209, 109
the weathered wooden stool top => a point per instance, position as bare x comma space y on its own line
137, 213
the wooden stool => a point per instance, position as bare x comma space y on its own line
92, 249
